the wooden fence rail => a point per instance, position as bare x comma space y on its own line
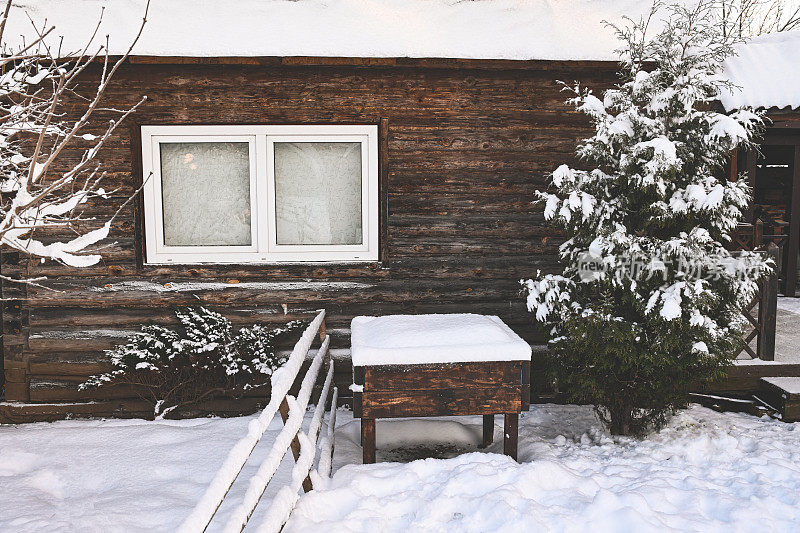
303, 445
763, 322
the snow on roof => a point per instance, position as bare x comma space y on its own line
767, 69
480, 29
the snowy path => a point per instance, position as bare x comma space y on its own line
787, 335
707, 471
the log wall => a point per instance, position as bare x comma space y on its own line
466, 146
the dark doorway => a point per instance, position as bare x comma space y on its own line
775, 178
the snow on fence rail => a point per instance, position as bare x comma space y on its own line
303, 445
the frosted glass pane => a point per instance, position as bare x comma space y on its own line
318, 192
206, 193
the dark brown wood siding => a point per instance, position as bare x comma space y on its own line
467, 147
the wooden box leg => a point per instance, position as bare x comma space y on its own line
488, 430
368, 440
511, 434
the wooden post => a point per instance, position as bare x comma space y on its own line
283, 409
733, 165
368, 440
383, 190
323, 332
488, 430
758, 234
768, 310
14, 364
526, 385
793, 246
750, 167
511, 434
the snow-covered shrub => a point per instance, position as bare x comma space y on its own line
199, 359
649, 302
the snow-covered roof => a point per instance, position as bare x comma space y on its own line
480, 29
767, 69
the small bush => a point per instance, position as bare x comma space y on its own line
174, 368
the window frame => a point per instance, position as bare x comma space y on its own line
264, 248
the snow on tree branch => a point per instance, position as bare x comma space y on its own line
38, 196
649, 294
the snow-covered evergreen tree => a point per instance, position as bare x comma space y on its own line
649, 303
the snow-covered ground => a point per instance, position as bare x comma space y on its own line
789, 304
116, 475
707, 471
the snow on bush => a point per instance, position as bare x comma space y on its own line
649, 302
174, 368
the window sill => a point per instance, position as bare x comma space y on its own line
371, 265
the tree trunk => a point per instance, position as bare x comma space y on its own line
621, 417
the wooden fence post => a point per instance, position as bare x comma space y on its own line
793, 246
768, 309
758, 234
283, 409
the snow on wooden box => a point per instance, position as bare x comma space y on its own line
783, 394
435, 365
434, 338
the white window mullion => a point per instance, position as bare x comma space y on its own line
262, 200
270, 205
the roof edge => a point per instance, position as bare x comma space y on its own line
379, 62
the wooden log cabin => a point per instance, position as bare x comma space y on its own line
393, 174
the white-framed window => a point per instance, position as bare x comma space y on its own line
260, 194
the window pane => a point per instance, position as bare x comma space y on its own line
318, 192
205, 189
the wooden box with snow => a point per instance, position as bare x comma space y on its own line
438, 365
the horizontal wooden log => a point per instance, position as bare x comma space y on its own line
445, 402
51, 341
743, 378
19, 412
442, 266
441, 376
64, 388
91, 293
380, 62
85, 364
66, 340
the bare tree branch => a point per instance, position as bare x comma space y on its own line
750, 18
36, 195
